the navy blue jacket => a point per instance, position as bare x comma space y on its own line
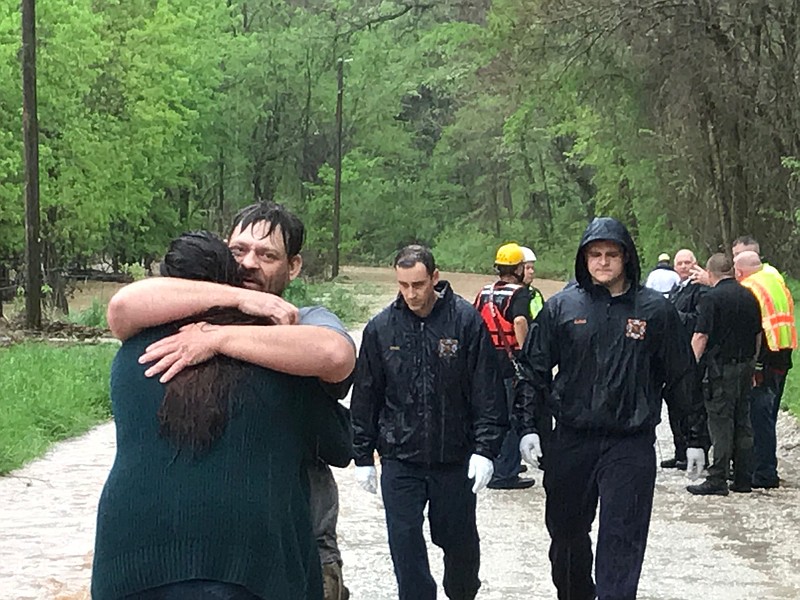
616, 356
428, 390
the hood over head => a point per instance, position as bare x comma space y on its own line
607, 228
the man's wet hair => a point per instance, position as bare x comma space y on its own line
747, 240
202, 256
410, 255
277, 215
720, 265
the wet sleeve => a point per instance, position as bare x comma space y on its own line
705, 315
538, 357
486, 391
520, 305
330, 427
369, 391
682, 391
319, 316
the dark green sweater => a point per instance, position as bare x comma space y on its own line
237, 513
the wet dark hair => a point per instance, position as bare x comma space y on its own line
277, 215
410, 255
197, 401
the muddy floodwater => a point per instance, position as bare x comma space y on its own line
743, 546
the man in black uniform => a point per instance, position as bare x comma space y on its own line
685, 297
727, 332
617, 345
428, 397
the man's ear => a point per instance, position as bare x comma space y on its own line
435, 276
295, 265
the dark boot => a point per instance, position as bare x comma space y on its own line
674, 463
708, 489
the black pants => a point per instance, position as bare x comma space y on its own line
620, 472
407, 488
729, 424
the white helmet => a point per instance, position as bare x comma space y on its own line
528, 255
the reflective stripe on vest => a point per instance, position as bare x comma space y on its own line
777, 309
496, 298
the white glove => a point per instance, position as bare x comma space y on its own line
695, 462
367, 478
481, 470
530, 448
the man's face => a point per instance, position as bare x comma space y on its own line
527, 277
417, 288
264, 262
606, 262
684, 261
739, 248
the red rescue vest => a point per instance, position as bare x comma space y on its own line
492, 303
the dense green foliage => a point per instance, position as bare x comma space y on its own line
466, 123
39, 407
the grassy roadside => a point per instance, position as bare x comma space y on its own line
53, 392
791, 394
49, 393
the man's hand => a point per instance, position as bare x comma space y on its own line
193, 344
270, 306
481, 470
695, 462
530, 448
698, 274
367, 478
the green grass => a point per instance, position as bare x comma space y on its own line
337, 297
791, 395
49, 393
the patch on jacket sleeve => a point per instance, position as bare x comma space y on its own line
448, 347
635, 329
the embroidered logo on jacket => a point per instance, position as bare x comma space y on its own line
448, 348
635, 329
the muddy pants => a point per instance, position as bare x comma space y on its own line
728, 409
324, 500
765, 401
620, 472
447, 491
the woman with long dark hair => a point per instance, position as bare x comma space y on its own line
207, 497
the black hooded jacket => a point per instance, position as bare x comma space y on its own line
615, 355
428, 390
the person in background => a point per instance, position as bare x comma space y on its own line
429, 398
505, 308
206, 498
685, 297
663, 278
727, 333
266, 239
537, 299
774, 361
618, 346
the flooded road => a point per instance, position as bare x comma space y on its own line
737, 547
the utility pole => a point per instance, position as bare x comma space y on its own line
337, 181
30, 136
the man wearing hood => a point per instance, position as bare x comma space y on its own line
618, 346
429, 398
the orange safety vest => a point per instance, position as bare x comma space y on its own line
492, 303
777, 309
